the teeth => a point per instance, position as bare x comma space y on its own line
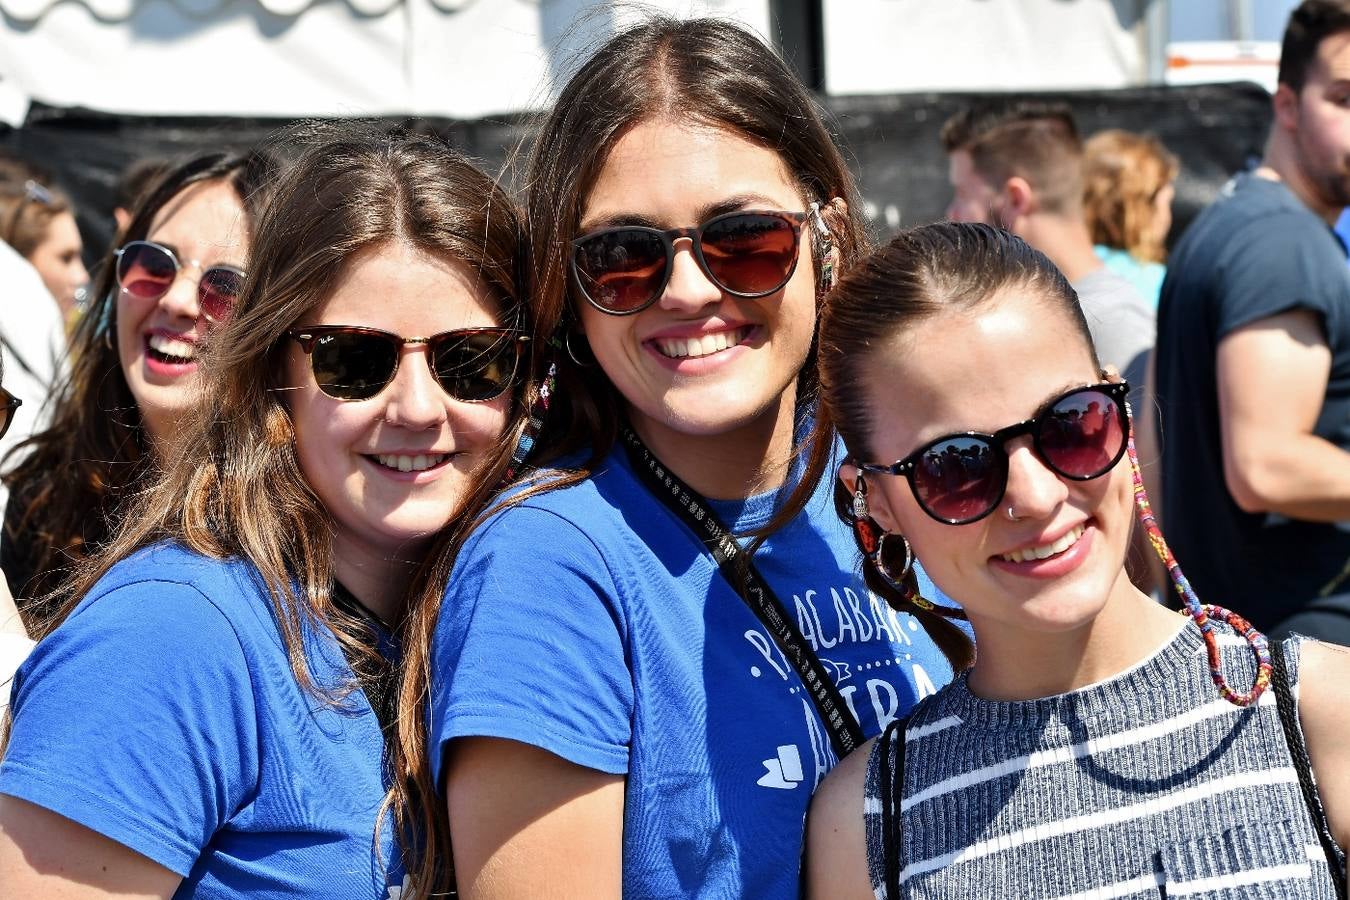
1046, 550
172, 347
410, 463
679, 348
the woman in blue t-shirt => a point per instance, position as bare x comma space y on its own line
209, 719
614, 709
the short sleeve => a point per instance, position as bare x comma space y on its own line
136, 718
1278, 265
531, 645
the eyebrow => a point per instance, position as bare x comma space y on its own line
746, 201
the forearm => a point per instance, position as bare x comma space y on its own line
1300, 476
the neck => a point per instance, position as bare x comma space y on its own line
731, 465
377, 578
167, 436
1128, 630
1065, 239
1281, 164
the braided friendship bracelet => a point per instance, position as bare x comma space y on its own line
528, 436
1203, 615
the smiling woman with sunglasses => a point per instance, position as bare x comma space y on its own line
134, 373
1100, 745
625, 701
215, 716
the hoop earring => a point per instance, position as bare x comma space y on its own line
879, 563
572, 353
871, 541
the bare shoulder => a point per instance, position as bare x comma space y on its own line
836, 837
1324, 671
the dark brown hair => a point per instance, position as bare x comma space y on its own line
1028, 139
350, 190
67, 481
922, 272
1309, 25
1123, 173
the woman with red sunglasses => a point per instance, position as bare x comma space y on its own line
215, 715
135, 373
626, 700
1086, 752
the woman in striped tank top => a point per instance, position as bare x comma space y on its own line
1086, 753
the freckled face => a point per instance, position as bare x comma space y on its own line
745, 353
982, 370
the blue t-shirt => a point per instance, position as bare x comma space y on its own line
591, 622
163, 714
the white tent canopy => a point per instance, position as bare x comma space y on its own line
456, 58
469, 58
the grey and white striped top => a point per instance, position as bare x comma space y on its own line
1148, 784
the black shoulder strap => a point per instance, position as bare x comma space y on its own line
1298, 751
378, 686
892, 791
686, 503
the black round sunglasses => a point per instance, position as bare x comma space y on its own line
961, 478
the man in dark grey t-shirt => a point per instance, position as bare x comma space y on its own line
1253, 360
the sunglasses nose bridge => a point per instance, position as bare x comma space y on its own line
1030, 483
413, 397
689, 284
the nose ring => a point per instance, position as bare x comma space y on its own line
1012, 516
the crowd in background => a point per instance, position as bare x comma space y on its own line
354, 505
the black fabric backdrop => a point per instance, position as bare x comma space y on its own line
891, 141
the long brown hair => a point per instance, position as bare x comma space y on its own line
921, 272
349, 190
707, 71
67, 482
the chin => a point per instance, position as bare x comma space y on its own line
713, 412
1061, 608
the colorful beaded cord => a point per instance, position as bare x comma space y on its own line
1203, 615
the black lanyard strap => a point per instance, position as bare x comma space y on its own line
744, 578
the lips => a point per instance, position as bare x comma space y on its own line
697, 346
1045, 551
409, 463
169, 349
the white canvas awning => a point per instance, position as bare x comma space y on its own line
456, 58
